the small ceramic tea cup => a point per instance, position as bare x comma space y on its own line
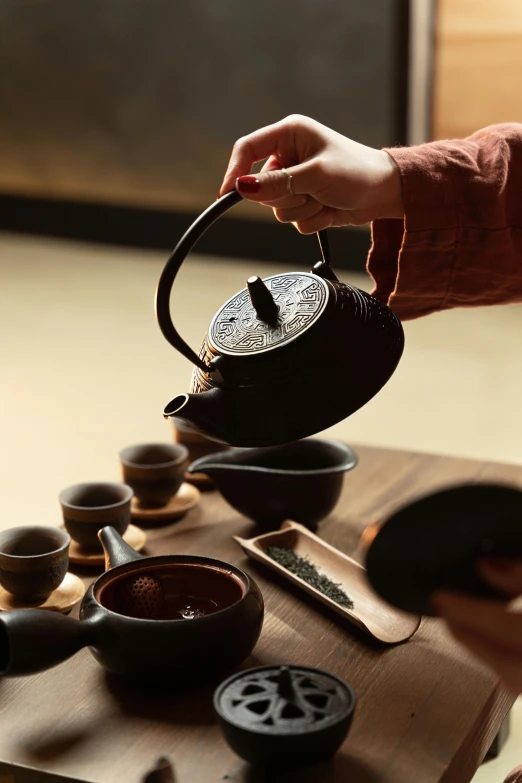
155, 471
88, 507
33, 561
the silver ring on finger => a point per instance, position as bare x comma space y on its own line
288, 182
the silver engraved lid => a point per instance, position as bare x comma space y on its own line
300, 299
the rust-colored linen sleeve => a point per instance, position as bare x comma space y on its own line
460, 243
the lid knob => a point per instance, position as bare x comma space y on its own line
285, 686
262, 300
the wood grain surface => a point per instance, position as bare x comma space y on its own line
426, 711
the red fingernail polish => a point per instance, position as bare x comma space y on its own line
248, 184
500, 564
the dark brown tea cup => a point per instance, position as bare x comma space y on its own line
33, 561
87, 508
155, 471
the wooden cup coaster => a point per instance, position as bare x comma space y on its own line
133, 536
185, 499
200, 480
62, 599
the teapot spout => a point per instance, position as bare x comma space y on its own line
204, 413
117, 551
33, 640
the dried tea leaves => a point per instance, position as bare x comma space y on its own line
305, 570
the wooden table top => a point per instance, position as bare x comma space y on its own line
426, 710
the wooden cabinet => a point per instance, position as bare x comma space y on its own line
478, 62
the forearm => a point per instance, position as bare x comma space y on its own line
460, 244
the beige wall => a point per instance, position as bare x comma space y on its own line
478, 65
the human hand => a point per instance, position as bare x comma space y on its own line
490, 629
335, 181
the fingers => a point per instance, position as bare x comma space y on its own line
250, 149
323, 219
507, 665
272, 164
488, 619
306, 213
278, 140
269, 186
287, 202
490, 630
326, 217
329, 218
503, 573
299, 213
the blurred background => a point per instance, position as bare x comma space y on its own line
117, 120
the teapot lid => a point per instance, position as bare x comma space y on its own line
269, 313
284, 700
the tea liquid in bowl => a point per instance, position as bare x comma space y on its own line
175, 592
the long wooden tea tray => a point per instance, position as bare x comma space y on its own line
370, 612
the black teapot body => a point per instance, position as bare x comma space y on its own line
284, 358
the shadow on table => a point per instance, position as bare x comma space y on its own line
45, 748
176, 705
341, 767
159, 703
315, 609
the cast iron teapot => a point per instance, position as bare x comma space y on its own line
284, 358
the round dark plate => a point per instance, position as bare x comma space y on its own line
434, 543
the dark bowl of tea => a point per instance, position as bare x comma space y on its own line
178, 620
300, 481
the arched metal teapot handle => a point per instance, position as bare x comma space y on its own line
178, 255
172, 267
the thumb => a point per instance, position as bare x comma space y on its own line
503, 573
272, 185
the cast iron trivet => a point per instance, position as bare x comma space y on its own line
287, 715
